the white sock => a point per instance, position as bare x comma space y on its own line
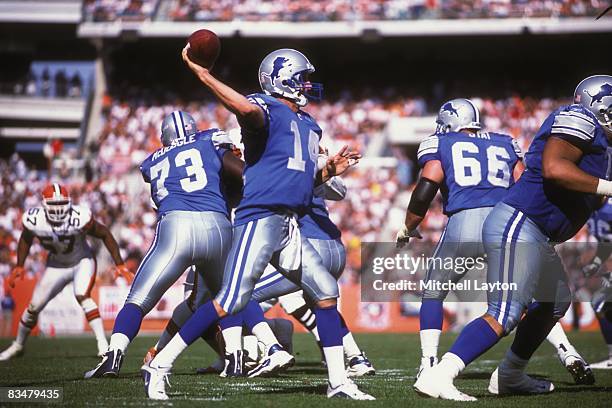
451, 364
119, 341
98, 329
351, 349
22, 334
430, 339
264, 333
165, 358
233, 339
513, 362
315, 333
336, 371
558, 338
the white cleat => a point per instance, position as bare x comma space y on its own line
359, 366
426, 364
517, 382
435, 385
348, 390
13, 351
276, 360
603, 365
155, 380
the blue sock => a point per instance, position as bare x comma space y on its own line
252, 314
431, 315
475, 338
533, 329
344, 330
235, 320
328, 324
128, 321
204, 317
606, 329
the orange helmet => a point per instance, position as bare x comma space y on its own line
56, 202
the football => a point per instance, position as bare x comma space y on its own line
204, 48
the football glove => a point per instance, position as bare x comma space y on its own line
122, 270
16, 272
404, 235
592, 268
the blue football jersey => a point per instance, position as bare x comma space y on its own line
478, 168
316, 223
600, 223
186, 175
559, 212
280, 161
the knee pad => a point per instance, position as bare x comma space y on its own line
292, 302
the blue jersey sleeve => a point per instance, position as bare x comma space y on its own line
144, 170
429, 149
260, 100
575, 125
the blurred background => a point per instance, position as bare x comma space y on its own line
84, 87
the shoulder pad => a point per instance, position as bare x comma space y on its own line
428, 146
575, 120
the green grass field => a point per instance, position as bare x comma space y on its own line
61, 362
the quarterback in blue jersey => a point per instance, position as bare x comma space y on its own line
473, 170
281, 154
193, 228
600, 226
567, 175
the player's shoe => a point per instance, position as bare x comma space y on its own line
155, 380
348, 390
109, 366
426, 364
215, 368
581, 371
234, 365
359, 366
13, 351
151, 353
276, 359
434, 384
516, 382
603, 365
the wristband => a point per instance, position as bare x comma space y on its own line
604, 187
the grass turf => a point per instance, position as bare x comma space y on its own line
61, 362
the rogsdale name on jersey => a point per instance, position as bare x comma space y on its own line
435, 285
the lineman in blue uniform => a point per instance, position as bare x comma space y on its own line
600, 226
281, 153
473, 170
567, 174
193, 227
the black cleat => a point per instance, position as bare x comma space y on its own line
109, 366
581, 372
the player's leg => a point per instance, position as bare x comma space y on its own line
462, 237
503, 228
83, 280
253, 245
569, 356
164, 263
49, 286
599, 301
321, 286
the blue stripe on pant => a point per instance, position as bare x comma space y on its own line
519, 253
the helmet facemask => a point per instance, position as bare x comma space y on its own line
57, 209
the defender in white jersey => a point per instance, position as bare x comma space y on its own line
61, 228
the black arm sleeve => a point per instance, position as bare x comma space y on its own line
423, 194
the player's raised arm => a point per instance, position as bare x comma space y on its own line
248, 114
23, 249
101, 231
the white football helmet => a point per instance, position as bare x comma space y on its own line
595, 94
456, 115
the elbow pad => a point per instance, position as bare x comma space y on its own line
334, 189
423, 194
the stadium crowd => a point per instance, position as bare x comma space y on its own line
119, 198
335, 10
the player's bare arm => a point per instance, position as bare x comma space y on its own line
249, 115
101, 231
519, 168
23, 249
559, 166
426, 189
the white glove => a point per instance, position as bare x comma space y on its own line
592, 268
404, 235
